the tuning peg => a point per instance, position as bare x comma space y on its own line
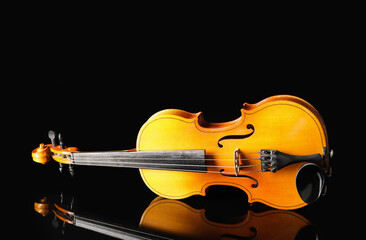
62, 145
52, 136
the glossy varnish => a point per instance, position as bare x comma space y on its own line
285, 123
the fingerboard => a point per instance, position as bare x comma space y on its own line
176, 160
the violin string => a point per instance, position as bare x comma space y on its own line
168, 159
206, 154
229, 153
133, 163
184, 170
166, 164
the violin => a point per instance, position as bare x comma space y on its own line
277, 152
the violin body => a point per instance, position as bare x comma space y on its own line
286, 123
276, 152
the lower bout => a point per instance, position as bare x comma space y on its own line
173, 184
179, 185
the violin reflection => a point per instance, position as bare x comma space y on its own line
194, 218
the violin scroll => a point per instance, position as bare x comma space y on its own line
60, 153
42, 154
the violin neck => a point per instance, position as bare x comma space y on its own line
177, 160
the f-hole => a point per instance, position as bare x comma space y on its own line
249, 126
254, 185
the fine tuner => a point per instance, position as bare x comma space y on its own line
276, 151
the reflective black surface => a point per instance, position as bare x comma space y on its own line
99, 93
220, 215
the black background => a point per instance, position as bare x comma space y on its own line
97, 83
